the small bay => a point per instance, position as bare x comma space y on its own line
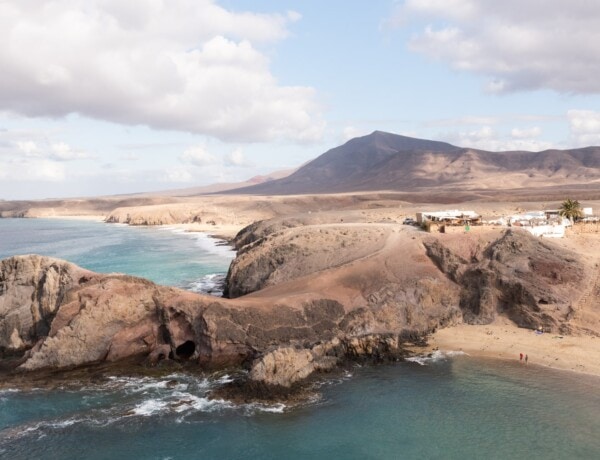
164, 255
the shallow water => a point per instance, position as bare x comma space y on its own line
164, 255
449, 408
444, 407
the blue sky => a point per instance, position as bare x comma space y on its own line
107, 97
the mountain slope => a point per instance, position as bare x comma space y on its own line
341, 168
384, 161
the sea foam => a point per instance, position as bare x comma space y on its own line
436, 356
209, 284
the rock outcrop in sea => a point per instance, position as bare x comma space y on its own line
303, 299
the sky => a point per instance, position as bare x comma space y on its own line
103, 97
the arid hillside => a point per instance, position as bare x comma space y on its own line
384, 161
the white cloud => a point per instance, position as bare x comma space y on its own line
236, 158
584, 126
518, 45
198, 156
487, 138
130, 157
17, 145
29, 148
177, 175
294, 16
466, 120
61, 151
32, 169
526, 133
187, 65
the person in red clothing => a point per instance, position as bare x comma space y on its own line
520, 356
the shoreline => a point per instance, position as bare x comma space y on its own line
223, 232
499, 340
505, 341
220, 232
87, 217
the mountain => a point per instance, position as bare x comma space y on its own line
385, 161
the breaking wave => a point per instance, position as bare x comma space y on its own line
206, 242
433, 357
209, 284
122, 398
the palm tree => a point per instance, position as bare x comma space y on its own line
571, 209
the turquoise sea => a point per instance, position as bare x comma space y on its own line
164, 255
441, 407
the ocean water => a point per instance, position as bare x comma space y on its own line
442, 407
164, 255
449, 408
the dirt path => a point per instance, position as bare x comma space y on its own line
590, 297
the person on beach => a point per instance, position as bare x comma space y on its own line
526, 359
520, 356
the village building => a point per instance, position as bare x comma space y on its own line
547, 223
442, 221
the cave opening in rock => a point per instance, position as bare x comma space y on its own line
186, 350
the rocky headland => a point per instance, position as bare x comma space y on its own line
305, 294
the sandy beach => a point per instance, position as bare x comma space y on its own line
503, 340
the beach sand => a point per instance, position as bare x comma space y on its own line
503, 340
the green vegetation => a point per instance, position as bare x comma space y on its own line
571, 209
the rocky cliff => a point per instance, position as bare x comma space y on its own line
32, 289
520, 276
310, 297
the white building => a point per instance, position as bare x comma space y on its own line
447, 216
541, 223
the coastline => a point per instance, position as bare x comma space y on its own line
224, 232
95, 218
503, 340
218, 231
500, 340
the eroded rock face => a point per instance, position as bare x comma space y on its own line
518, 275
91, 318
32, 288
110, 318
285, 366
272, 254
